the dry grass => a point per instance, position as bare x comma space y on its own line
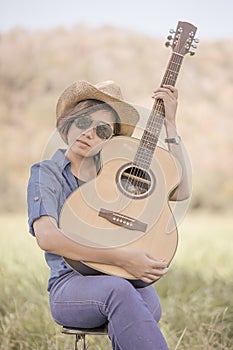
196, 294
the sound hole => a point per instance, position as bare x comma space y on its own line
135, 182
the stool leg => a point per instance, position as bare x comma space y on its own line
83, 341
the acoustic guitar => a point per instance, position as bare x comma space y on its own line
127, 204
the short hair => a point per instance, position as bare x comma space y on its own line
65, 121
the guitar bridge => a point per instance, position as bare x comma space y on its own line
122, 220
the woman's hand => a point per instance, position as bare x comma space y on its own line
141, 265
169, 95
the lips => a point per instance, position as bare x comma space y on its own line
81, 142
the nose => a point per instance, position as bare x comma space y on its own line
89, 132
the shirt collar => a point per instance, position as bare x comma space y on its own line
60, 159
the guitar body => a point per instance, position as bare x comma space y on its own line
104, 214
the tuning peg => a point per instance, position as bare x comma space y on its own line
196, 40
171, 31
192, 53
169, 37
167, 43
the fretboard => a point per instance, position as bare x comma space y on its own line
155, 121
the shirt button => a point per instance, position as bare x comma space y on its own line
36, 199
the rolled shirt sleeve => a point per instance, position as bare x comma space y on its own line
42, 193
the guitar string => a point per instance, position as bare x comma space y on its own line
144, 155
155, 123
153, 127
150, 138
156, 118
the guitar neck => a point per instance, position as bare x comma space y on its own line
155, 122
173, 69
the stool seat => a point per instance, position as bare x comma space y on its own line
94, 331
80, 333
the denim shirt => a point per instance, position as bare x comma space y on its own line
50, 183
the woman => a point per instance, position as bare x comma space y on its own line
87, 116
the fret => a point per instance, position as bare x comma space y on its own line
173, 69
151, 144
150, 137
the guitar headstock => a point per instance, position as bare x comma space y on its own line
183, 39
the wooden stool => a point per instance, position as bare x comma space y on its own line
80, 334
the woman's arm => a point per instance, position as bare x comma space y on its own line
169, 95
50, 238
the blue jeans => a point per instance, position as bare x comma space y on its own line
91, 301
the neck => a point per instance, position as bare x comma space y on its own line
83, 168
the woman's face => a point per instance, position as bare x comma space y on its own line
86, 142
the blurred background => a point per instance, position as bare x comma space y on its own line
47, 45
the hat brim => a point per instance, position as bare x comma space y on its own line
83, 90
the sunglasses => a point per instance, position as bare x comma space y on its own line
103, 130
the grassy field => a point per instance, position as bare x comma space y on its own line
196, 294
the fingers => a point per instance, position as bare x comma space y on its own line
171, 88
157, 269
158, 264
166, 90
143, 266
148, 280
168, 94
151, 277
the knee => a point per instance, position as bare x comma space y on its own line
121, 285
122, 289
157, 314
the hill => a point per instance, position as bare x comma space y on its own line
35, 67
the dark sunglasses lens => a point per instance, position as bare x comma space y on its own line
83, 122
104, 131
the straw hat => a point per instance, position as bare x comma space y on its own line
108, 92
